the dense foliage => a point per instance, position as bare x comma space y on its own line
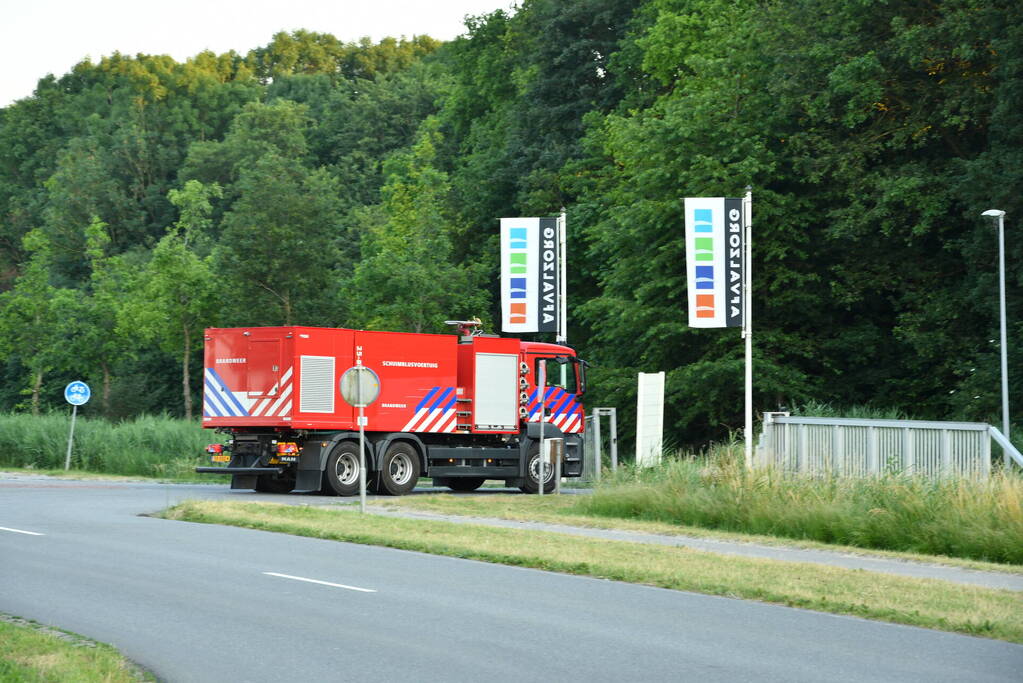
324, 183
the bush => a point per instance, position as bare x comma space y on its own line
957, 517
146, 446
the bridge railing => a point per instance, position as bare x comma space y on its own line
862, 447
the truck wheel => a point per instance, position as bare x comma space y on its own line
267, 483
343, 470
399, 471
530, 481
465, 483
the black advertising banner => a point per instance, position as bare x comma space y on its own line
734, 263
547, 297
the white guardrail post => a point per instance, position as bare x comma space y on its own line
1008, 450
767, 448
612, 415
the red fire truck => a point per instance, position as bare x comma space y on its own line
460, 409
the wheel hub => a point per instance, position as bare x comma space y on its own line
534, 470
347, 469
400, 469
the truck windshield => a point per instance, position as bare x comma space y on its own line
560, 375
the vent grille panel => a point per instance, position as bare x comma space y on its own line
317, 382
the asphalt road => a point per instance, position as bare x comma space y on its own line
196, 602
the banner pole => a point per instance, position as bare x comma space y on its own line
747, 320
562, 283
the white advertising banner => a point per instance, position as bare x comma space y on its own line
529, 275
714, 261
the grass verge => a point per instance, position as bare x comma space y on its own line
970, 518
565, 510
917, 602
32, 652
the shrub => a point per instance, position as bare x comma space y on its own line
149, 446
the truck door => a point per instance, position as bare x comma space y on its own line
264, 363
562, 402
497, 384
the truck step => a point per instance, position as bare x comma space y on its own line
239, 470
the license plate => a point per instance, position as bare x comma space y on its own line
221, 458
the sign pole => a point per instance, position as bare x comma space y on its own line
359, 400
362, 458
70, 437
747, 319
557, 469
360, 387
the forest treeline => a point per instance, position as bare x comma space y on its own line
318, 182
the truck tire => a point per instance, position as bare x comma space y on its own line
530, 483
343, 470
465, 484
399, 470
267, 483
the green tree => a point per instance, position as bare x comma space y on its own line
358, 123
176, 293
856, 131
29, 328
31, 134
277, 128
277, 254
405, 279
85, 185
308, 52
95, 342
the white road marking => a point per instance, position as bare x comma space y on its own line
19, 531
322, 583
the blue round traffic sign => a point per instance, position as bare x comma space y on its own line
77, 393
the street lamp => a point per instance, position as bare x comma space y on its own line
1000, 215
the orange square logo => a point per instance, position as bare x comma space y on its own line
704, 305
517, 314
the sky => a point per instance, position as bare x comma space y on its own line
38, 37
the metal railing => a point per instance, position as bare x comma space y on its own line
593, 444
858, 447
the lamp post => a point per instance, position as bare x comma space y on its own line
1000, 215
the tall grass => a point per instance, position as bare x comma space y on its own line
957, 517
151, 446
814, 408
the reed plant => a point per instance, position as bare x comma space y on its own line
979, 519
149, 446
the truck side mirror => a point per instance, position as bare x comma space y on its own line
580, 371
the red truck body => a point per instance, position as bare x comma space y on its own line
438, 394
